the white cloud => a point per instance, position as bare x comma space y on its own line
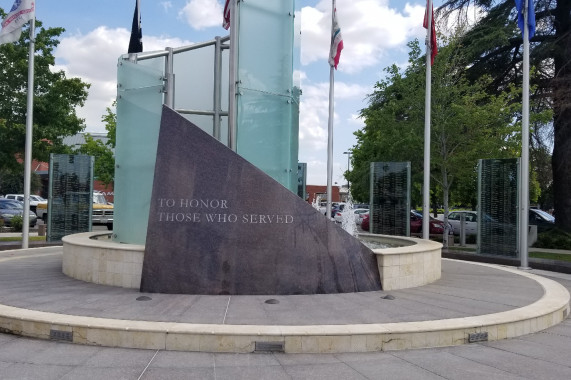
166, 5
313, 125
93, 57
201, 14
369, 28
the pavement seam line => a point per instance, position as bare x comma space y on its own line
226, 311
147, 366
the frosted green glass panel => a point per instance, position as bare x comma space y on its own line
194, 85
139, 105
266, 45
264, 135
267, 102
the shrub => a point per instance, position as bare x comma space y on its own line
554, 239
17, 222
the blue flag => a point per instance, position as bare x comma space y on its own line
520, 4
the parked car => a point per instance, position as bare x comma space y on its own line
470, 223
338, 217
365, 223
102, 211
10, 208
435, 226
35, 200
361, 215
543, 220
335, 206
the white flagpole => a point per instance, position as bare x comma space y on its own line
330, 127
427, 101
28, 144
524, 166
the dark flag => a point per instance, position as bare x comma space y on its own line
136, 41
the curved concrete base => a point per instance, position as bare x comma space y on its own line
94, 257
408, 263
547, 311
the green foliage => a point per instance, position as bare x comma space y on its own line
17, 222
554, 239
104, 168
468, 123
12, 181
55, 99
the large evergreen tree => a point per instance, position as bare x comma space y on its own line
494, 47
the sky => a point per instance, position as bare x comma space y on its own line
375, 34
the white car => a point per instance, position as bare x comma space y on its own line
359, 213
35, 200
470, 223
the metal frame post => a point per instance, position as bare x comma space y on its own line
233, 75
169, 77
217, 87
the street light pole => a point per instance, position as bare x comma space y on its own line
348, 153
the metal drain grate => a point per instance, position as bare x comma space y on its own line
269, 347
61, 335
478, 337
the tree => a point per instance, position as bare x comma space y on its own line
468, 123
55, 100
494, 46
104, 168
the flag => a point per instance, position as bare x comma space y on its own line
226, 20
433, 46
336, 42
520, 5
22, 11
136, 41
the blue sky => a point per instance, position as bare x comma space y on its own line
375, 33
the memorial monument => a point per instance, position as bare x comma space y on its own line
219, 225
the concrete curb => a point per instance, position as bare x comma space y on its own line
549, 310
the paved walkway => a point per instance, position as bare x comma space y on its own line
543, 355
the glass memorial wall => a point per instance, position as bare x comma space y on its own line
268, 98
70, 195
498, 200
390, 198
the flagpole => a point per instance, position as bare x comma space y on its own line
524, 165
28, 144
330, 127
427, 102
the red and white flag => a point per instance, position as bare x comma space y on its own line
433, 46
22, 11
336, 42
226, 20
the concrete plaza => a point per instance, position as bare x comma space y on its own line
37, 284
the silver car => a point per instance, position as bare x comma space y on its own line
470, 221
10, 208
